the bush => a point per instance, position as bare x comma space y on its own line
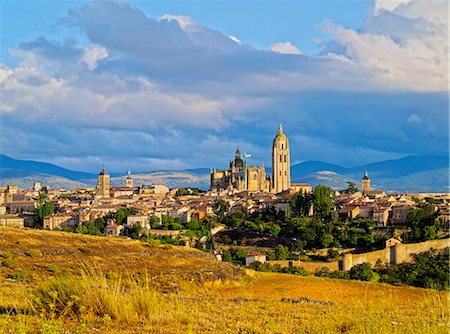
22, 275
8, 261
58, 297
33, 252
363, 272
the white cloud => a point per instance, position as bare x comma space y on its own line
388, 5
235, 39
405, 48
183, 21
414, 119
93, 54
285, 48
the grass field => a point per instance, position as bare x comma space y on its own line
54, 282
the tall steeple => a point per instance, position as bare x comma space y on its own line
129, 180
365, 182
103, 183
238, 153
281, 162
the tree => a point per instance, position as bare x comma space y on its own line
326, 240
226, 256
333, 254
301, 204
220, 209
323, 200
281, 252
351, 188
363, 272
154, 221
44, 208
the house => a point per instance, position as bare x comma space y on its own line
300, 187
381, 216
141, 220
375, 194
21, 206
60, 220
400, 214
11, 220
113, 230
349, 212
254, 257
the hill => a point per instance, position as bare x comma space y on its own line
61, 282
410, 174
12, 168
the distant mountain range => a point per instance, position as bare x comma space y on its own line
410, 174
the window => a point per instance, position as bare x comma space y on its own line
254, 176
285, 173
280, 172
281, 158
285, 158
282, 146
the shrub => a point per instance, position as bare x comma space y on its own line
363, 272
33, 252
58, 297
84, 250
9, 260
22, 275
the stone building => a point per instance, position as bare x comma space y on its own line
129, 181
365, 183
103, 184
281, 162
241, 177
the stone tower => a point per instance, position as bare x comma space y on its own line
103, 184
281, 162
365, 182
129, 181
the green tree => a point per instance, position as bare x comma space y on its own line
44, 207
301, 204
281, 252
154, 221
220, 209
363, 272
323, 201
351, 188
326, 240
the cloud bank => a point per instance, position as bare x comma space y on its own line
169, 92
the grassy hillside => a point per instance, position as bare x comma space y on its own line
59, 282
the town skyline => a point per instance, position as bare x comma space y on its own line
176, 86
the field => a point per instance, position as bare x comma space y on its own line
54, 282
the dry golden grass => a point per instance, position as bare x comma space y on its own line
122, 286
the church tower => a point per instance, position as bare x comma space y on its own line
281, 162
365, 182
129, 181
103, 184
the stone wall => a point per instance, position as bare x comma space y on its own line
395, 254
308, 266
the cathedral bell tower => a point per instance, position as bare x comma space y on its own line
129, 181
281, 162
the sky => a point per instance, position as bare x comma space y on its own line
179, 84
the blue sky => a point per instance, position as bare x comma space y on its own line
178, 84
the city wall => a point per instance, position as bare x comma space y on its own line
395, 254
308, 266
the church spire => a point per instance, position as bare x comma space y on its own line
238, 153
280, 128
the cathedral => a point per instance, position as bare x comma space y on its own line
241, 177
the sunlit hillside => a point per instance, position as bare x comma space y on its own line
54, 282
